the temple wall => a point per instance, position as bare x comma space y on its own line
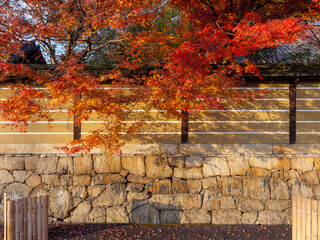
165, 183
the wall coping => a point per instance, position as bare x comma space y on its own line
174, 149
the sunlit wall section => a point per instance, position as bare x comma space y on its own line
264, 120
308, 112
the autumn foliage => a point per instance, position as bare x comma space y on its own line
198, 49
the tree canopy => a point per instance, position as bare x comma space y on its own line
198, 48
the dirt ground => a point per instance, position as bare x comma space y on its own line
138, 231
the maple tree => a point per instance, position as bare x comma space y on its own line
69, 31
198, 60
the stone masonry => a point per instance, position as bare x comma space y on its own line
201, 183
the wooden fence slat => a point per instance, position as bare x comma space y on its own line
294, 218
318, 218
299, 218
308, 219
5, 216
17, 222
21, 222
314, 219
45, 201
303, 218
39, 216
10, 220
30, 219
34, 218
25, 218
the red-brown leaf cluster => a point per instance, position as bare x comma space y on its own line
199, 59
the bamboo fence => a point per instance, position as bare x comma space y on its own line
26, 218
305, 219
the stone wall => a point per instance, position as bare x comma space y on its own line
218, 184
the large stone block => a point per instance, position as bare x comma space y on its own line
311, 177
107, 164
34, 180
229, 216
65, 165
117, 214
145, 214
134, 164
194, 161
238, 165
47, 165
291, 174
17, 190
271, 218
81, 213
52, 179
40, 191
113, 195
66, 180
278, 205
81, 180
215, 166
158, 167
59, 203
135, 203
227, 202
5, 177
21, 176
135, 187
12, 163
170, 216
270, 162
176, 201
194, 186
31, 163
82, 165
231, 186
210, 182
279, 189
260, 172
211, 199
296, 149
139, 179
98, 215
95, 191
188, 173
106, 179
78, 192
177, 161
160, 187
303, 164
196, 217
245, 204
249, 218
300, 188
256, 188
134, 196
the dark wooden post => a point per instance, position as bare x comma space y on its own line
184, 127
76, 127
292, 111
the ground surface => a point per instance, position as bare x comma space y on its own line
132, 231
